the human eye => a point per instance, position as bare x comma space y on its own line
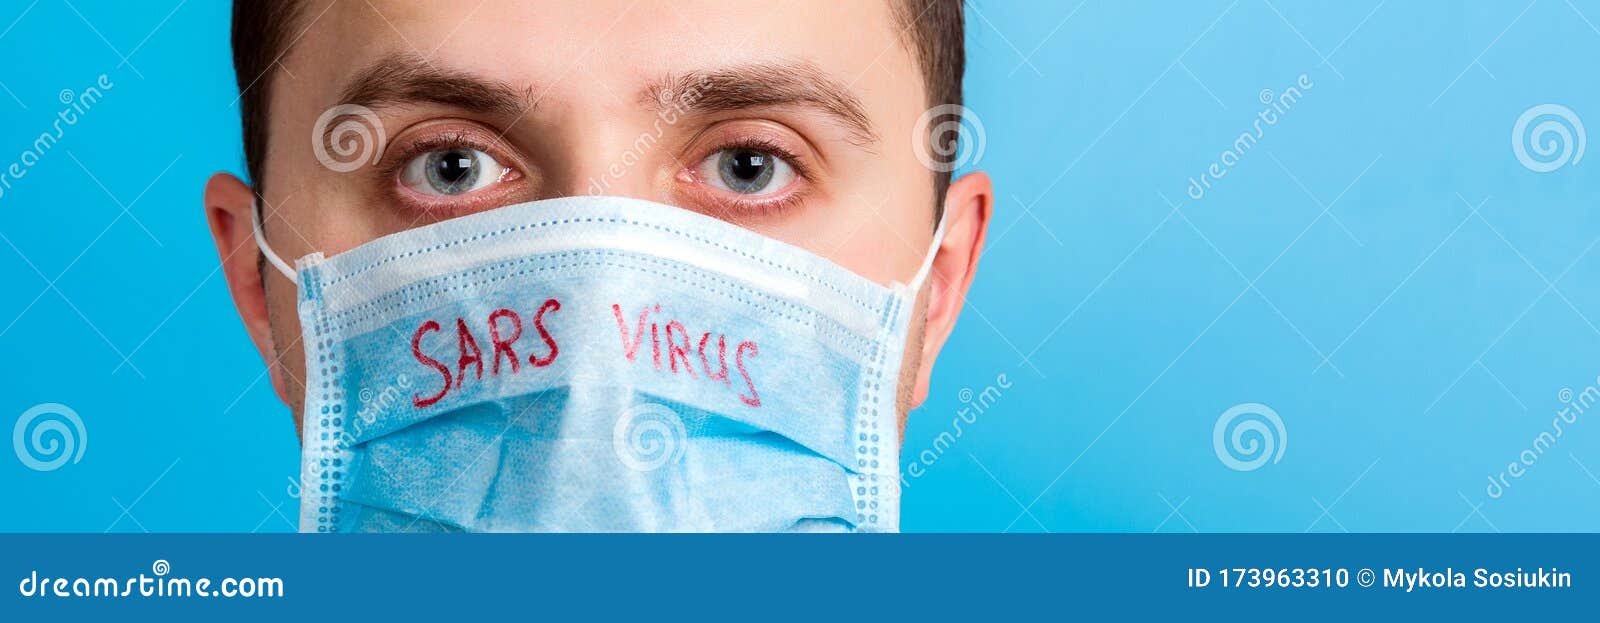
448, 170
451, 171
744, 170
747, 171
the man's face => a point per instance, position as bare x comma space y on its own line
789, 118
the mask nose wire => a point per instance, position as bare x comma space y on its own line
261, 243
288, 272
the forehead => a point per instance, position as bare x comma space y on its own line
605, 48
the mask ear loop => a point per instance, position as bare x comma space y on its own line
927, 261
261, 243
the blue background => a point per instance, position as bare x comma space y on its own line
1339, 274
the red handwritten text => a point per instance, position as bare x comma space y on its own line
674, 348
504, 328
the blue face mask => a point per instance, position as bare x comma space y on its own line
596, 364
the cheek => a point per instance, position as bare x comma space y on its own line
906, 397
293, 368
883, 246
288, 367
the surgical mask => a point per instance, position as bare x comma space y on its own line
597, 364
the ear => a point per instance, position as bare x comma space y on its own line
228, 205
968, 204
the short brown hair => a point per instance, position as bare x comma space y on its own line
938, 35
262, 31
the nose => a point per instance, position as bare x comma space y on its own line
600, 151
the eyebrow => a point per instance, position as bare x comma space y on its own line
410, 79
402, 79
764, 84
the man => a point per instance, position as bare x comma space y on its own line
795, 120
